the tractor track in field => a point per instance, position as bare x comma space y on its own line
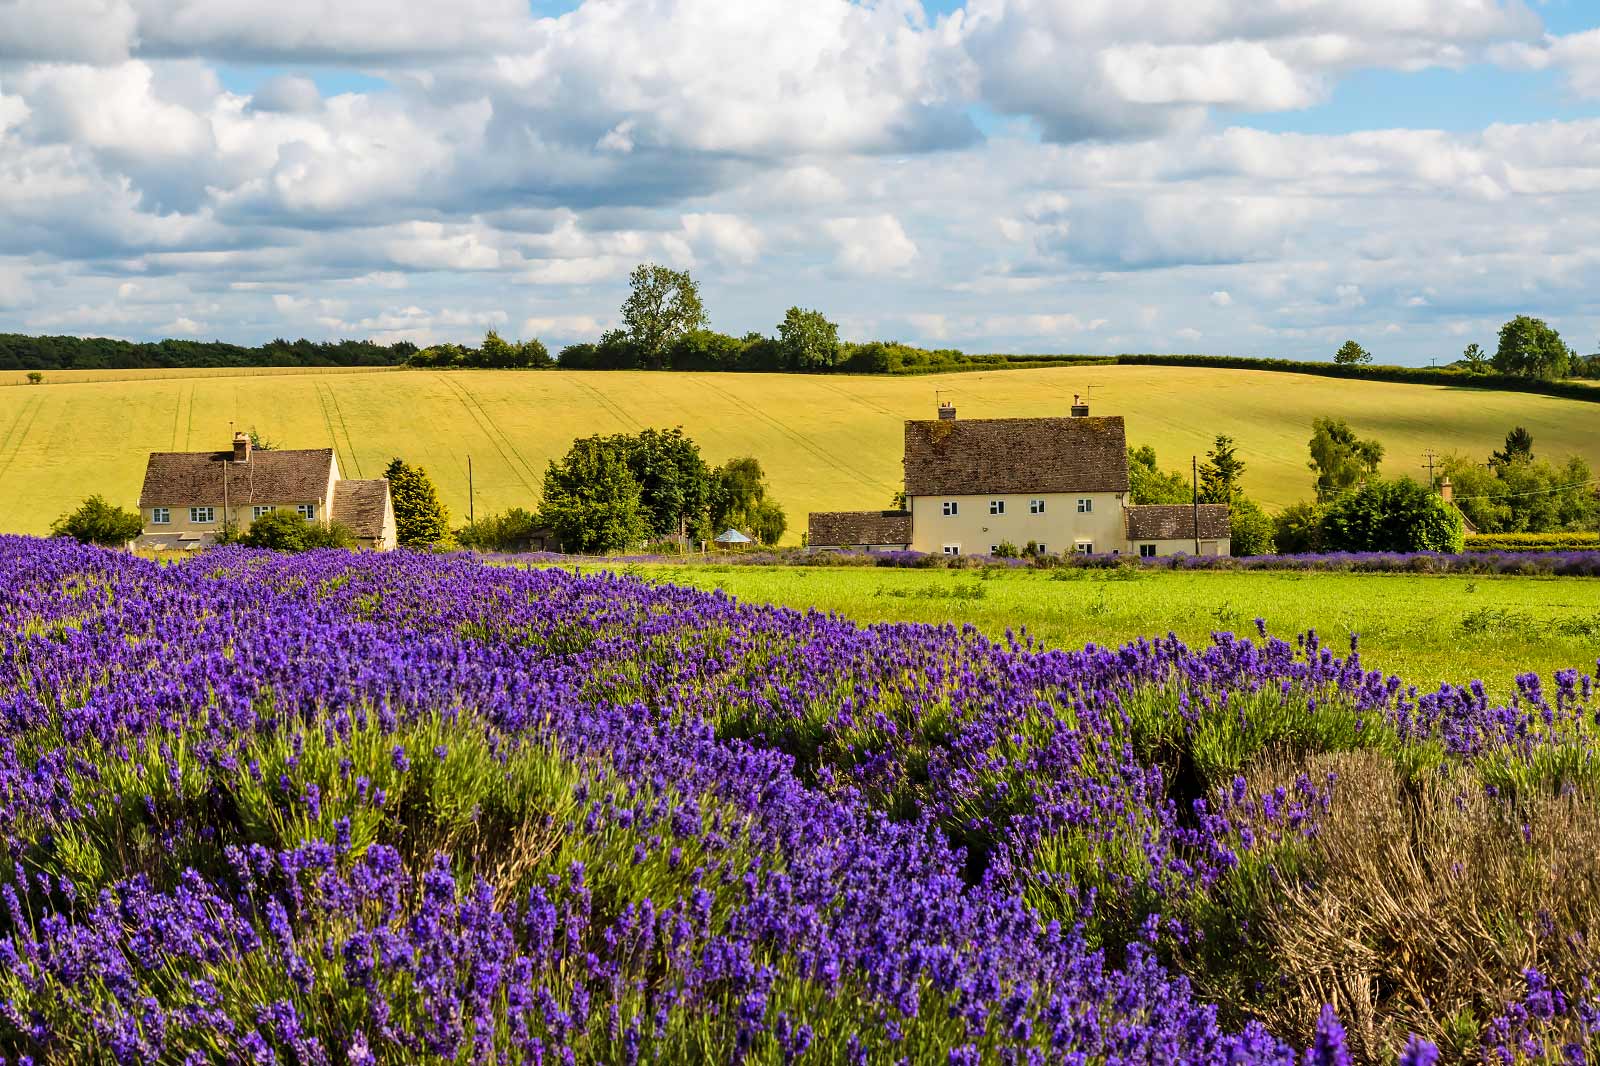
327, 419
862, 400
11, 443
609, 404
796, 436
349, 442
497, 438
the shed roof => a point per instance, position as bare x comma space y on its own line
842, 529
360, 506
188, 479
950, 457
1160, 521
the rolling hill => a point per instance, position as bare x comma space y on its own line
828, 443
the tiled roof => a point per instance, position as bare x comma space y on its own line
1160, 521
359, 506
188, 479
842, 529
952, 457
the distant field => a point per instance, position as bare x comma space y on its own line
1427, 629
828, 443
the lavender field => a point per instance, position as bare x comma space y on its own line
340, 808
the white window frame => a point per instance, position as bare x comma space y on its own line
308, 511
1036, 506
1147, 551
997, 507
260, 510
1084, 547
952, 549
1086, 505
161, 516
994, 549
195, 513
1043, 549
952, 508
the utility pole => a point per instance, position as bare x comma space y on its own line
1429, 455
472, 520
1194, 474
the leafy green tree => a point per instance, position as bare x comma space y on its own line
420, 517
1298, 530
260, 443
1220, 473
1252, 531
1148, 483
1352, 354
592, 500
1519, 448
1532, 496
662, 305
35, 377
97, 521
1392, 516
808, 341
740, 501
1530, 348
286, 531
674, 481
1476, 359
1339, 458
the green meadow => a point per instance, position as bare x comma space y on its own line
827, 442
1426, 628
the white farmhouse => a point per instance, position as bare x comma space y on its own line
1058, 484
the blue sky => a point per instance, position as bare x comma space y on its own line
1263, 178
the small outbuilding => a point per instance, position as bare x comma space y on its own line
1178, 529
872, 531
732, 536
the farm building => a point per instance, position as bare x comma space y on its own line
188, 497
1059, 484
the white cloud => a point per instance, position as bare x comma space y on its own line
872, 245
1221, 298
727, 237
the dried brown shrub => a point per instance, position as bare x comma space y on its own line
1422, 903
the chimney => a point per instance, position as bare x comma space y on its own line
1447, 490
1079, 408
241, 447
947, 411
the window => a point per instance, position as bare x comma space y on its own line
308, 511
1147, 551
952, 549
997, 507
950, 508
1043, 549
994, 549
160, 516
202, 515
260, 509
1083, 547
1085, 506
1036, 507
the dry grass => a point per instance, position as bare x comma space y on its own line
1424, 904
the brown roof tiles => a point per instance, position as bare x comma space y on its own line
1153, 521
953, 457
188, 479
844, 529
360, 506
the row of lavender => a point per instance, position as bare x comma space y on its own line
336, 808
1568, 563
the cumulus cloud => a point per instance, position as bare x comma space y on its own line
872, 245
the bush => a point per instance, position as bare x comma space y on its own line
286, 531
1392, 516
1253, 531
1298, 530
507, 532
99, 522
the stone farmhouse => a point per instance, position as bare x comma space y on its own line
1058, 483
189, 496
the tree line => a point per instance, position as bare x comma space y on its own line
21, 352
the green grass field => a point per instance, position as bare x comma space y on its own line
1425, 628
828, 443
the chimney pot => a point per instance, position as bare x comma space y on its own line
1447, 490
947, 411
241, 447
1079, 408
